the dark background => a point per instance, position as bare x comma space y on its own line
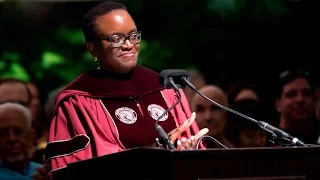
228, 40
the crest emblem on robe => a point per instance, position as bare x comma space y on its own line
155, 111
126, 115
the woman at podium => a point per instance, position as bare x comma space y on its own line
114, 107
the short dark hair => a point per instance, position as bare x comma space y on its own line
11, 80
290, 75
88, 27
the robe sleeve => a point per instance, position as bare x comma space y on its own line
80, 129
181, 112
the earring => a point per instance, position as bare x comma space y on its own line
95, 59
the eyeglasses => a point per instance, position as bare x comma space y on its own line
118, 40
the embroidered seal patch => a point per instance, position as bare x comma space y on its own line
155, 111
126, 115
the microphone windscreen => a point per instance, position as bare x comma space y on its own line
175, 74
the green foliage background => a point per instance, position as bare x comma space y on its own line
43, 42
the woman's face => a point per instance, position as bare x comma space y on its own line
115, 59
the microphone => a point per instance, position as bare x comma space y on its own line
174, 78
168, 76
267, 127
167, 80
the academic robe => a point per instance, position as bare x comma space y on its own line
101, 113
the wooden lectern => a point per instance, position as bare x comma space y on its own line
285, 163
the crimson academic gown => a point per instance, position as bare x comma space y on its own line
101, 113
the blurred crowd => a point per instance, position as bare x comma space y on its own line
25, 119
295, 105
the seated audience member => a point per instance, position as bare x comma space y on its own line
15, 143
211, 116
296, 105
39, 155
242, 90
38, 120
14, 90
242, 132
35, 104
